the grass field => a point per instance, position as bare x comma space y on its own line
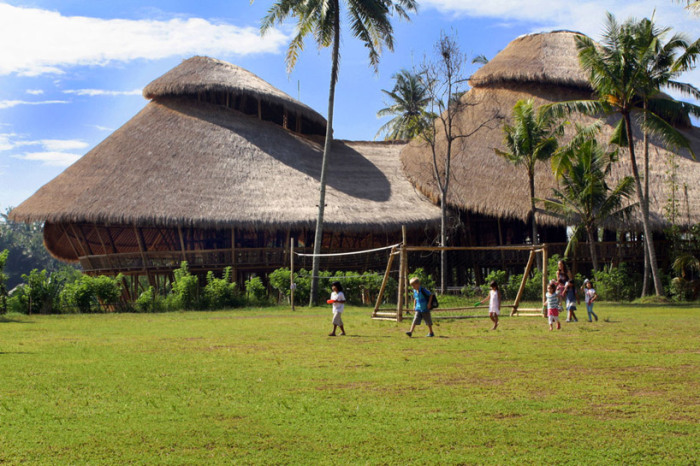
268, 386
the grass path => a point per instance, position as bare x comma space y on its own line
267, 386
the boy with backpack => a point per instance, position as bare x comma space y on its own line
423, 304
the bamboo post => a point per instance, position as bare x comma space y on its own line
399, 300
528, 267
402, 275
385, 280
545, 258
291, 275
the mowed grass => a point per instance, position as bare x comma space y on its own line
268, 386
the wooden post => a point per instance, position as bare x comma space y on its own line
233, 254
402, 276
399, 300
259, 109
291, 275
528, 267
182, 243
380, 296
545, 258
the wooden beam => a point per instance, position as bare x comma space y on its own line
182, 243
99, 236
65, 232
259, 109
77, 238
385, 280
528, 267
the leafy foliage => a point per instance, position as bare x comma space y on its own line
408, 101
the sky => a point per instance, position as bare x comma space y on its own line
71, 71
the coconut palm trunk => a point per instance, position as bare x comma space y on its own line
648, 237
647, 269
318, 237
591, 232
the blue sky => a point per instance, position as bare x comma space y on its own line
71, 71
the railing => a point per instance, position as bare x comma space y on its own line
272, 258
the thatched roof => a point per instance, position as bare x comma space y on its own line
182, 162
487, 184
204, 74
535, 58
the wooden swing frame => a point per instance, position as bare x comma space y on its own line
402, 251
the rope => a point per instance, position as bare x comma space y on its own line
347, 253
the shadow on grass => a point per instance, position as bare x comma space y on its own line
15, 352
7, 320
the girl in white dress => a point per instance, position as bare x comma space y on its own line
494, 298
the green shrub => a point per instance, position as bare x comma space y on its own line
3, 281
616, 284
185, 289
255, 290
40, 293
91, 294
221, 292
150, 301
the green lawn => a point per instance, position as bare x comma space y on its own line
268, 386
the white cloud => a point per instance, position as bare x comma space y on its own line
586, 16
63, 144
12, 140
45, 41
54, 159
98, 92
35, 91
101, 128
14, 103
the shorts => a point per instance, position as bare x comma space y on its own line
423, 316
570, 306
553, 319
495, 311
337, 319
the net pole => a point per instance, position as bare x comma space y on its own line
291, 275
545, 258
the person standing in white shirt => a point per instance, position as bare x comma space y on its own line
338, 302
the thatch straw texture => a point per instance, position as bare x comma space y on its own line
204, 74
535, 58
487, 184
180, 162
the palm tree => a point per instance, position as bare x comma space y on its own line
408, 101
369, 22
584, 198
529, 139
661, 63
620, 82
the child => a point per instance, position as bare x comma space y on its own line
338, 301
571, 301
424, 303
552, 301
494, 298
590, 296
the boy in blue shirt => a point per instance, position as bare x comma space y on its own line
424, 303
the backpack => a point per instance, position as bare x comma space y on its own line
427, 296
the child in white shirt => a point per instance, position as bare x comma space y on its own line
591, 296
338, 301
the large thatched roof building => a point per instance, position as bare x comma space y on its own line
220, 168
543, 67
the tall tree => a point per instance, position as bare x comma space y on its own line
531, 137
445, 78
369, 22
407, 103
661, 63
619, 82
583, 197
